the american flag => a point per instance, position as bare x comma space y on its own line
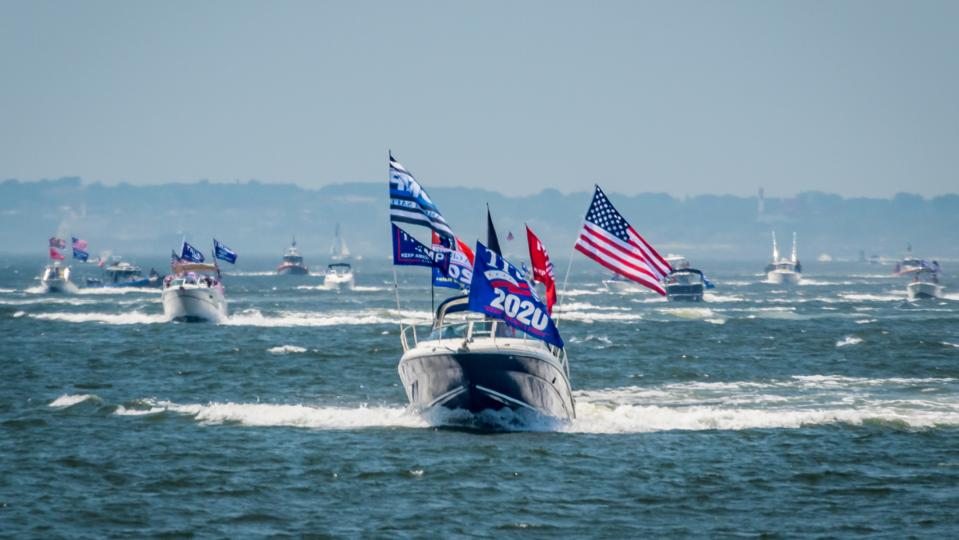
608, 239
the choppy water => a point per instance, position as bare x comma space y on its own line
831, 409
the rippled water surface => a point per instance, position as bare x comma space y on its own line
829, 409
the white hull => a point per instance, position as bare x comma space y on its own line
622, 287
783, 277
923, 289
333, 281
59, 286
194, 304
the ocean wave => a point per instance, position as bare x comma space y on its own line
6, 291
270, 415
52, 300
592, 316
714, 297
593, 418
69, 400
133, 317
581, 292
788, 403
251, 274
860, 297
848, 340
253, 317
286, 349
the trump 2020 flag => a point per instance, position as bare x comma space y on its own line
408, 251
454, 264
191, 254
500, 291
223, 253
409, 202
78, 243
80, 255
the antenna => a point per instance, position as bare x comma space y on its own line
794, 258
775, 248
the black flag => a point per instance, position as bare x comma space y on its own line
492, 242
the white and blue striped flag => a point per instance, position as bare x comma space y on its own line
409, 202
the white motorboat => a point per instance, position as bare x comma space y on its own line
56, 279
194, 293
338, 276
473, 363
783, 271
925, 282
292, 264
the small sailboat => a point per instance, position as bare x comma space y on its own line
339, 251
783, 271
292, 264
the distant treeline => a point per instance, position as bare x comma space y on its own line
260, 218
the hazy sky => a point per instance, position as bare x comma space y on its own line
852, 97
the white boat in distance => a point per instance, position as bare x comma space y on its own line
338, 276
339, 251
473, 363
194, 294
784, 271
56, 279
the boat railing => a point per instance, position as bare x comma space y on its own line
462, 333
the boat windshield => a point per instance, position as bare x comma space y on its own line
684, 278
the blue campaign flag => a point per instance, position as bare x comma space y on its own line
190, 253
80, 255
453, 268
709, 284
409, 202
500, 290
408, 251
223, 253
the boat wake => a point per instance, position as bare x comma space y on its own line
280, 415
133, 317
253, 317
786, 404
801, 401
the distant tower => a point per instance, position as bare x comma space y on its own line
761, 206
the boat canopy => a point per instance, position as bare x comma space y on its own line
195, 267
333, 266
455, 304
686, 271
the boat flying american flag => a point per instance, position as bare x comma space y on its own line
611, 241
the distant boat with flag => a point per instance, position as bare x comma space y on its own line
292, 264
194, 292
56, 276
783, 271
493, 349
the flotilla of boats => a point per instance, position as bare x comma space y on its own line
493, 345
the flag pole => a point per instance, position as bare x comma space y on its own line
572, 253
562, 301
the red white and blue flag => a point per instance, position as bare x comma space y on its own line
58, 243
610, 240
